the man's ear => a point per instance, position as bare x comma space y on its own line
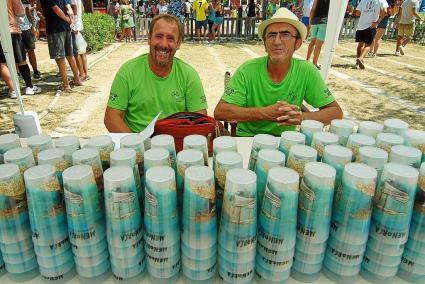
298, 43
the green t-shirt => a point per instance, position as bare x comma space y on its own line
142, 94
251, 86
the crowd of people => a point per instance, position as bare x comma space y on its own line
63, 25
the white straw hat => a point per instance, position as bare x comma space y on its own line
283, 15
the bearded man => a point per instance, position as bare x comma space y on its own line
154, 82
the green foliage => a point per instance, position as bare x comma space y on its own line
98, 30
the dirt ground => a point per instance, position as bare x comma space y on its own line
390, 86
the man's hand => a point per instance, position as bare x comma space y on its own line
290, 114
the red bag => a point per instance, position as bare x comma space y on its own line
182, 124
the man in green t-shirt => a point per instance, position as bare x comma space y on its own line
154, 82
265, 94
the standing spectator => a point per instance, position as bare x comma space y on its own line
14, 10
211, 19
201, 9
187, 7
405, 24
162, 7
371, 14
127, 23
380, 30
319, 19
78, 43
5, 74
28, 39
34, 17
251, 14
176, 8
219, 18
59, 16
307, 5
271, 8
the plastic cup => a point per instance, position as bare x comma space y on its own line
165, 141
356, 141
343, 128
260, 141
396, 126
69, 144
370, 128
38, 143
22, 157
386, 140
223, 144
156, 158
406, 155
135, 142
104, 144
374, 157
416, 139
299, 156
8, 142
309, 127
322, 139
337, 156
197, 142
289, 139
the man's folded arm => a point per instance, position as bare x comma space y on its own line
325, 114
114, 121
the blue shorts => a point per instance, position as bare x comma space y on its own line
305, 21
200, 24
318, 32
384, 23
218, 20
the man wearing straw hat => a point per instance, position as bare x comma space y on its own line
265, 94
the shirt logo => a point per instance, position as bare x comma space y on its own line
228, 91
113, 97
178, 96
328, 92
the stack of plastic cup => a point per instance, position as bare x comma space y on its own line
127, 157
165, 141
261, 141
288, 139
392, 211
197, 142
314, 217
86, 224
223, 143
337, 156
299, 156
386, 140
124, 224
322, 139
199, 225
47, 214
413, 138
370, 128
395, 125
350, 223
309, 127
15, 234
8, 142
238, 227
224, 161
90, 157
267, 159
38, 143
277, 226
343, 128
56, 158
22, 157
69, 144
412, 266
162, 234
2, 265
374, 157
356, 140
156, 158
185, 159
406, 155
135, 142
104, 144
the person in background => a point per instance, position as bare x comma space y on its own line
5, 74
187, 7
162, 7
15, 9
28, 39
272, 8
307, 4
35, 17
127, 22
219, 18
78, 41
318, 25
405, 23
210, 19
380, 30
201, 9
371, 13
176, 8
